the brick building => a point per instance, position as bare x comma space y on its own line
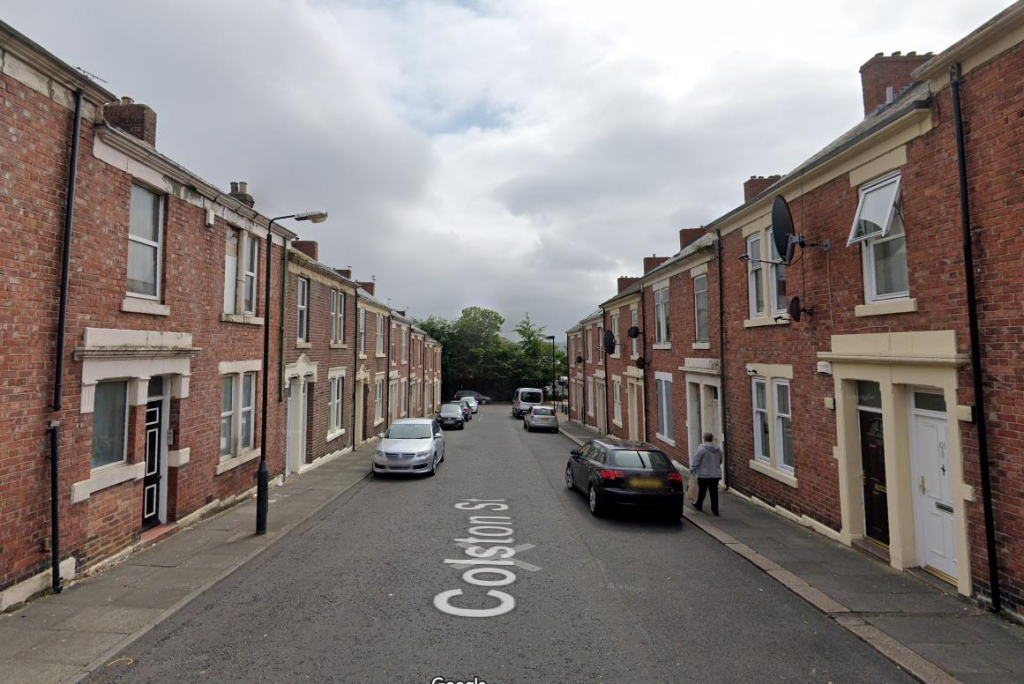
854, 411
143, 385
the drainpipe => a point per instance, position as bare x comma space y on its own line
355, 366
721, 358
62, 319
643, 350
583, 337
387, 374
604, 356
568, 397
280, 346
975, 332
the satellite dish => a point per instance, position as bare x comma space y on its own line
782, 228
609, 342
640, 363
796, 311
579, 359
633, 333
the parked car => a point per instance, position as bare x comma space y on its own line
480, 398
467, 413
474, 406
410, 446
524, 399
451, 416
541, 418
616, 472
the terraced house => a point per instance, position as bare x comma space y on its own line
868, 386
132, 316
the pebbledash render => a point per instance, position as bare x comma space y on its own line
158, 417
859, 419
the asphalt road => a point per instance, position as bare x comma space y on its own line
350, 596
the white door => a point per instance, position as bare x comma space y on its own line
694, 420
602, 414
933, 505
290, 428
303, 424
631, 407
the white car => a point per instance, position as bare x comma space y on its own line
525, 399
474, 405
411, 446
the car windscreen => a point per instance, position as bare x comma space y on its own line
543, 412
408, 431
451, 410
531, 397
629, 458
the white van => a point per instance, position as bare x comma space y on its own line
525, 399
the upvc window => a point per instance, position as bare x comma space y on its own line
362, 331
110, 424
237, 413
666, 429
634, 318
877, 205
337, 316
378, 400
783, 425
615, 332
227, 416
661, 317
590, 396
145, 242
885, 264
335, 404
405, 344
248, 422
405, 394
617, 399
380, 333
590, 345
394, 338
250, 265
762, 448
302, 315
231, 251
700, 305
777, 280
755, 286
600, 342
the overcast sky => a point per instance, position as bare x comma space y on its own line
513, 155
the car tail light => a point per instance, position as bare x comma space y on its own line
611, 475
675, 477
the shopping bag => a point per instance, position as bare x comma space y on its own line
692, 488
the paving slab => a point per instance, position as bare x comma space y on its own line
25, 672
114, 619
71, 648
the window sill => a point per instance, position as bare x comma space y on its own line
894, 306
616, 423
774, 473
334, 435
381, 355
362, 356
339, 345
235, 461
378, 422
144, 306
634, 357
762, 321
701, 345
303, 345
105, 477
663, 345
666, 440
248, 319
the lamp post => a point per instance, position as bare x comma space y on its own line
263, 474
552, 338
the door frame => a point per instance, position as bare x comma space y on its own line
914, 414
885, 467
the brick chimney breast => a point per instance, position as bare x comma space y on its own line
652, 262
883, 77
135, 119
344, 272
625, 282
369, 286
755, 185
308, 247
688, 235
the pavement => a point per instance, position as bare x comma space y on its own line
920, 625
377, 586
62, 638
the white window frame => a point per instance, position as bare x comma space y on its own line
336, 407
777, 418
755, 276
231, 260
590, 345
393, 344
590, 396
706, 336
250, 273
229, 415
337, 317
124, 441
362, 332
600, 342
380, 334
158, 245
405, 345
776, 272
890, 186
871, 294
240, 443
615, 332
666, 408
617, 400
302, 310
634, 320
378, 400
404, 397
662, 332
766, 410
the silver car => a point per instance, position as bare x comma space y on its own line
411, 446
540, 418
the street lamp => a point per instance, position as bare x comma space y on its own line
263, 474
552, 338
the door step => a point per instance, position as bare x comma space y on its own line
155, 534
872, 548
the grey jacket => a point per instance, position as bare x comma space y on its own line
707, 462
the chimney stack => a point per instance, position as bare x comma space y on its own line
135, 119
652, 262
883, 77
369, 286
240, 191
755, 185
344, 272
625, 282
308, 247
688, 235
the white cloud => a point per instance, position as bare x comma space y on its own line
517, 155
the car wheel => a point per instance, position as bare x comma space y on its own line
433, 468
569, 484
596, 507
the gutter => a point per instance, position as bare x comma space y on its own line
62, 320
975, 332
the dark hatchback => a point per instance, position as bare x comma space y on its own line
451, 416
614, 472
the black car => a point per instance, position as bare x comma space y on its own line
451, 416
480, 398
615, 472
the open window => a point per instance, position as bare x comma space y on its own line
875, 210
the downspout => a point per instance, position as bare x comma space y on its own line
604, 357
721, 359
387, 372
62, 319
568, 397
583, 337
355, 366
975, 332
280, 346
643, 349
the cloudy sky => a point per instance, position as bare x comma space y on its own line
514, 155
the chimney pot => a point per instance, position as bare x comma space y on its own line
137, 120
234, 187
240, 191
